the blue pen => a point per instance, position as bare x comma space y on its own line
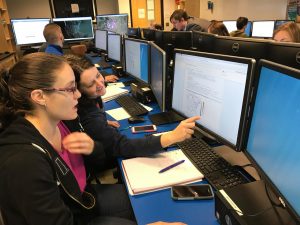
171, 166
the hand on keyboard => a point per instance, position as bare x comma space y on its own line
182, 132
111, 78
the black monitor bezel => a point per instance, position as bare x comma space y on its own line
121, 48
164, 78
125, 65
198, 34
236, 44
293, 73
106, 15
240, 143
106, 39
20, 19
284, 45
54, 20
261, 21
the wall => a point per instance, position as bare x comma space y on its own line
29, 8
169, 7
124, 7
107, 7
253, 9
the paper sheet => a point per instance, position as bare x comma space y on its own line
118, 84
118, 113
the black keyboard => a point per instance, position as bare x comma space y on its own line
131, 105
219, 173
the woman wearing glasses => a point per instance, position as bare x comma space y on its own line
42, 164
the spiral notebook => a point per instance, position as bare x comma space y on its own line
142, 173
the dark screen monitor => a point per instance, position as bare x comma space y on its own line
117, 23
182, 39
203, 41
29, 31
114, 47
137, 60
284, 53
216, 88
101, 39
244, 47
278, 23
158, 74
134, 33
263, 29
76, 28
273, 142
148, 34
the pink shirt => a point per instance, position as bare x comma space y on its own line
74, 161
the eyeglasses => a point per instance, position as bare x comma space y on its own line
69, 90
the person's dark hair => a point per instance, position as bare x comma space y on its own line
241, 22
78, 64
178, 14
158, 27
33, 71
217, 27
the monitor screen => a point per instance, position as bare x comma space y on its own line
230, 25
114, 47
137, 59
278, 23
244, 47
134, 32
182, 39
117, 23
203, 41
273, 141
29, 31
158, 74
263, 29
148, 34
215, 87
284, 53
248, 28
101, 39
76, 28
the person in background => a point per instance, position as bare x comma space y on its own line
93, 119
241, 24
44, 158
55, 40
217, 27
288, 32
179, 19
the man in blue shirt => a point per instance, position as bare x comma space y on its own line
55, 39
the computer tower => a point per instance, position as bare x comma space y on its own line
250, 204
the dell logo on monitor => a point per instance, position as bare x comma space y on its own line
235, 47
298, 57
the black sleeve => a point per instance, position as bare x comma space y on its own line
35, 191
116, 144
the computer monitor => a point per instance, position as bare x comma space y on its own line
101, 39
278, 23
182, 39
284, 53
76, 28
117, 23
158, 74
273, 142
114, 47
29, 31
244, 47
263, 29
203, 41
248, 29
137, 60
158, 38
148, 34
230, 25
217, 88
134, 32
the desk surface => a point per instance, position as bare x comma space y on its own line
159, 206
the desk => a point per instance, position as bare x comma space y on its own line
159, 205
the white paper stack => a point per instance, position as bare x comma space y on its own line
113, 92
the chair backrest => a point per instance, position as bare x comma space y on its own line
79, 50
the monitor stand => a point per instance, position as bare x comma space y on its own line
165, 118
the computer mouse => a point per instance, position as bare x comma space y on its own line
135, 119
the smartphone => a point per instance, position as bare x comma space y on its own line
145, 128
192, 192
